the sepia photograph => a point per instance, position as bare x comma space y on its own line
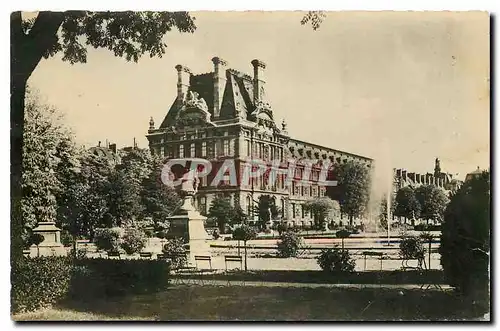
250, 166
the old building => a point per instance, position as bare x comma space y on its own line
441, 179
226, 114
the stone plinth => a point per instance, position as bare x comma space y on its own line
51, 245
188, 223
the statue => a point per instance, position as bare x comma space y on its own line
190, 182
193, 100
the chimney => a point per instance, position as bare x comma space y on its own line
112, 147
403, 174
258, 80
219, 83
183, 75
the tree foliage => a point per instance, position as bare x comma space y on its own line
407, 204
315, 18
320, 207
354, 187
266, 209
126, 34
465, 236
432, 202
49, 163
222, 211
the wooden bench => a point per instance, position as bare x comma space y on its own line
146, 255
377, 254
233, 258
203, 258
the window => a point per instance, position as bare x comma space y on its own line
231, 147
204, 149
303, 210
181, 150
293, 210
226, 147
247, 143
192, 150
282, 208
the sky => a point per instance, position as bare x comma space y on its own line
400, 87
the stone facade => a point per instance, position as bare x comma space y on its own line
225, 114
443, 180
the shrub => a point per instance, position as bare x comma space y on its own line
289, 244
411, 247
97, 278
216, 234
107, 239
149, 233
175, 251
426, 227
465, 237
66, 238
336, 260
161, 234
39, 282
282, 227
245, 233
133, 241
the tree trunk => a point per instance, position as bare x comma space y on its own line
430, 242
245, 244
239, 248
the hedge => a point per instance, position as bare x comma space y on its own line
39, 282
42, 282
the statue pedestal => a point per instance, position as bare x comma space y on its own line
188, 223
51, 245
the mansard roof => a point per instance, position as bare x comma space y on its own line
237, 98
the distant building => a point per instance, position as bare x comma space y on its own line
474, 174
225, 114
443, 180
109, 151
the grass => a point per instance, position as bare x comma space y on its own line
211, 303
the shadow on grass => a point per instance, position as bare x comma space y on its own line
211, 303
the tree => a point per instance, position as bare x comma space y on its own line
465, 237
244, 233
47, 152
85, 206
432, 202
124, 198
320, 208
126, 34
289, 244
159, 200
342, 234
407, 205
266, 209
315, 18
354, 189
222, 211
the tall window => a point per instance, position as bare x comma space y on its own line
247, 143
192, 150
293, 210
249, 205
181, 150
226, 147
282, 208
204, 149
303, 210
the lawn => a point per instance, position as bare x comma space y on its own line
212, 303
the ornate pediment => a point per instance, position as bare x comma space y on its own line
194, 112
263, 110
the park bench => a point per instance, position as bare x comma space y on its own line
114, 254
146, 255
380, 255
200, 271
181, 270
234, 271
